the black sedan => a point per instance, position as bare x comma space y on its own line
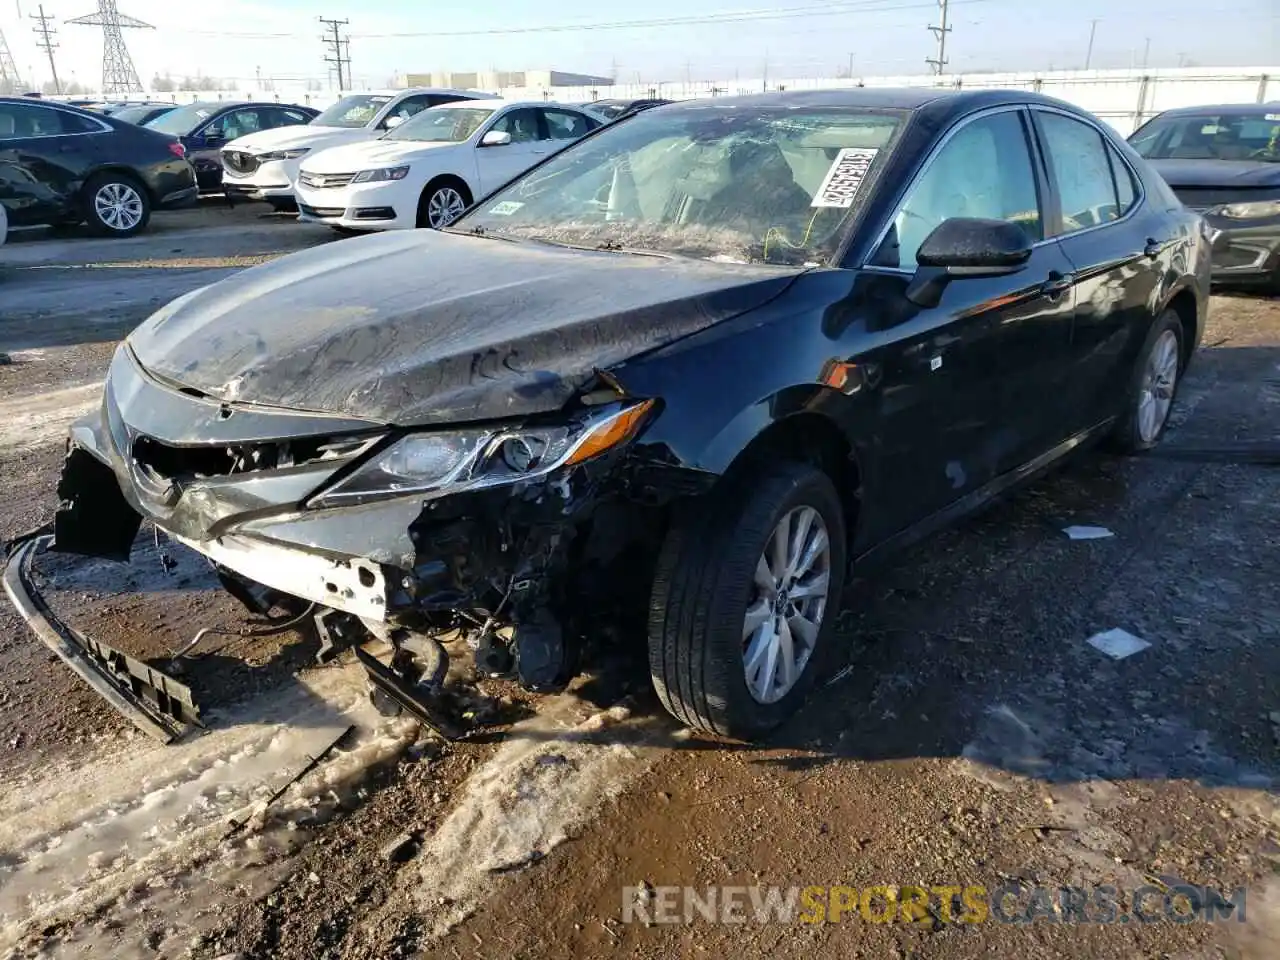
1224, 162
141, 113
682, 374
60, 164
205, 128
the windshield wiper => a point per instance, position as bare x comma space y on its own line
481, 231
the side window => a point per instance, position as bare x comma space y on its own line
22, 121
521, 124
291, 118
1126, 193
1082, 169
74, 123
984, 170
435, 99
410, 106
240, 123
564, 125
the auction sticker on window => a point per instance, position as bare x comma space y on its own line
506, 208
842, 181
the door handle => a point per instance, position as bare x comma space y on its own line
1056, 285
1152, 249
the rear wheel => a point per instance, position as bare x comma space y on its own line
442, 202
116, 205
744, 601
1152, 387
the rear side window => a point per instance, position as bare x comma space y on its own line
1126, 193
1086, 185
563, 125
984, 170
25, 120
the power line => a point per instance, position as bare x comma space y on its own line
939, 63
336, 45
46, 43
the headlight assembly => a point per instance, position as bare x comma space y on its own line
285, 154
458, 460
1253, 210
382, 173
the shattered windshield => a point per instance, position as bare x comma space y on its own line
1254, 136
758, 184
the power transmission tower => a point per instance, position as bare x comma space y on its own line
46, 43
10, 80
118, 73
939, 63
336, 45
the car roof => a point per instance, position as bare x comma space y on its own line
1224, 109
403, 90
880, 98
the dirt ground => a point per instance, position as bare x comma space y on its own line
971, 737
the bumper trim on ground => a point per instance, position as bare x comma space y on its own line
152, 701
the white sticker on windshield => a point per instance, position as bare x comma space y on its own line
1271, 116
842, 181
506, 208
379, 99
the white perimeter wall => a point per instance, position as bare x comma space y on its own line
1124, 98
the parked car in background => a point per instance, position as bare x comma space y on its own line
681, 373
4, 225
205, 128
60, 164
610, 110
264, 166
430, 168
141, 114
1224, 163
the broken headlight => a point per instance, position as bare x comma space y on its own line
460, 460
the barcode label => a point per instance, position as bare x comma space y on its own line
842, 181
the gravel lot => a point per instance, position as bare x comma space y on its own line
974, 738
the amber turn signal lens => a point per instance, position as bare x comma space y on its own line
608, 434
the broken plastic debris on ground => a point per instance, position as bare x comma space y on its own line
1117, 643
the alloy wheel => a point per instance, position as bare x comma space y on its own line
118, 206
445, 206
1158, 382
791, 582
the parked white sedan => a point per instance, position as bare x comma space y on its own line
430, 168
264, 165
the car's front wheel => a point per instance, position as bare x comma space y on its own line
442, 202
116, 205
1152, 387
744, 601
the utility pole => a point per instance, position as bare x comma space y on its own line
1088, 56
45, 42
1146, 53
850, 64
939, 63
334, 43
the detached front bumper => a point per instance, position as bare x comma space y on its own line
1245, 252
152, 453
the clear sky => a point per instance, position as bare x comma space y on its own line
796, 38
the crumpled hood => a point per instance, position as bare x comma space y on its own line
368, 154
1224, 174
302, 135
420, 327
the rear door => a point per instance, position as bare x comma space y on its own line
1115, 245
45, 154
956, 402
499, 163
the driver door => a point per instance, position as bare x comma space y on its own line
958, 390
498, 164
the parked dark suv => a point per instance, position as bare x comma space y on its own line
205, 128
60, 164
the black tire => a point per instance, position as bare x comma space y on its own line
283, 204
702, 587
437, 186
1128, 436
133, 212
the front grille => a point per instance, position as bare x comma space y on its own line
161, 461
239, 163
321, 211
323, 181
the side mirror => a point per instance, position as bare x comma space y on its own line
966, 247
495, 138
393, 121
